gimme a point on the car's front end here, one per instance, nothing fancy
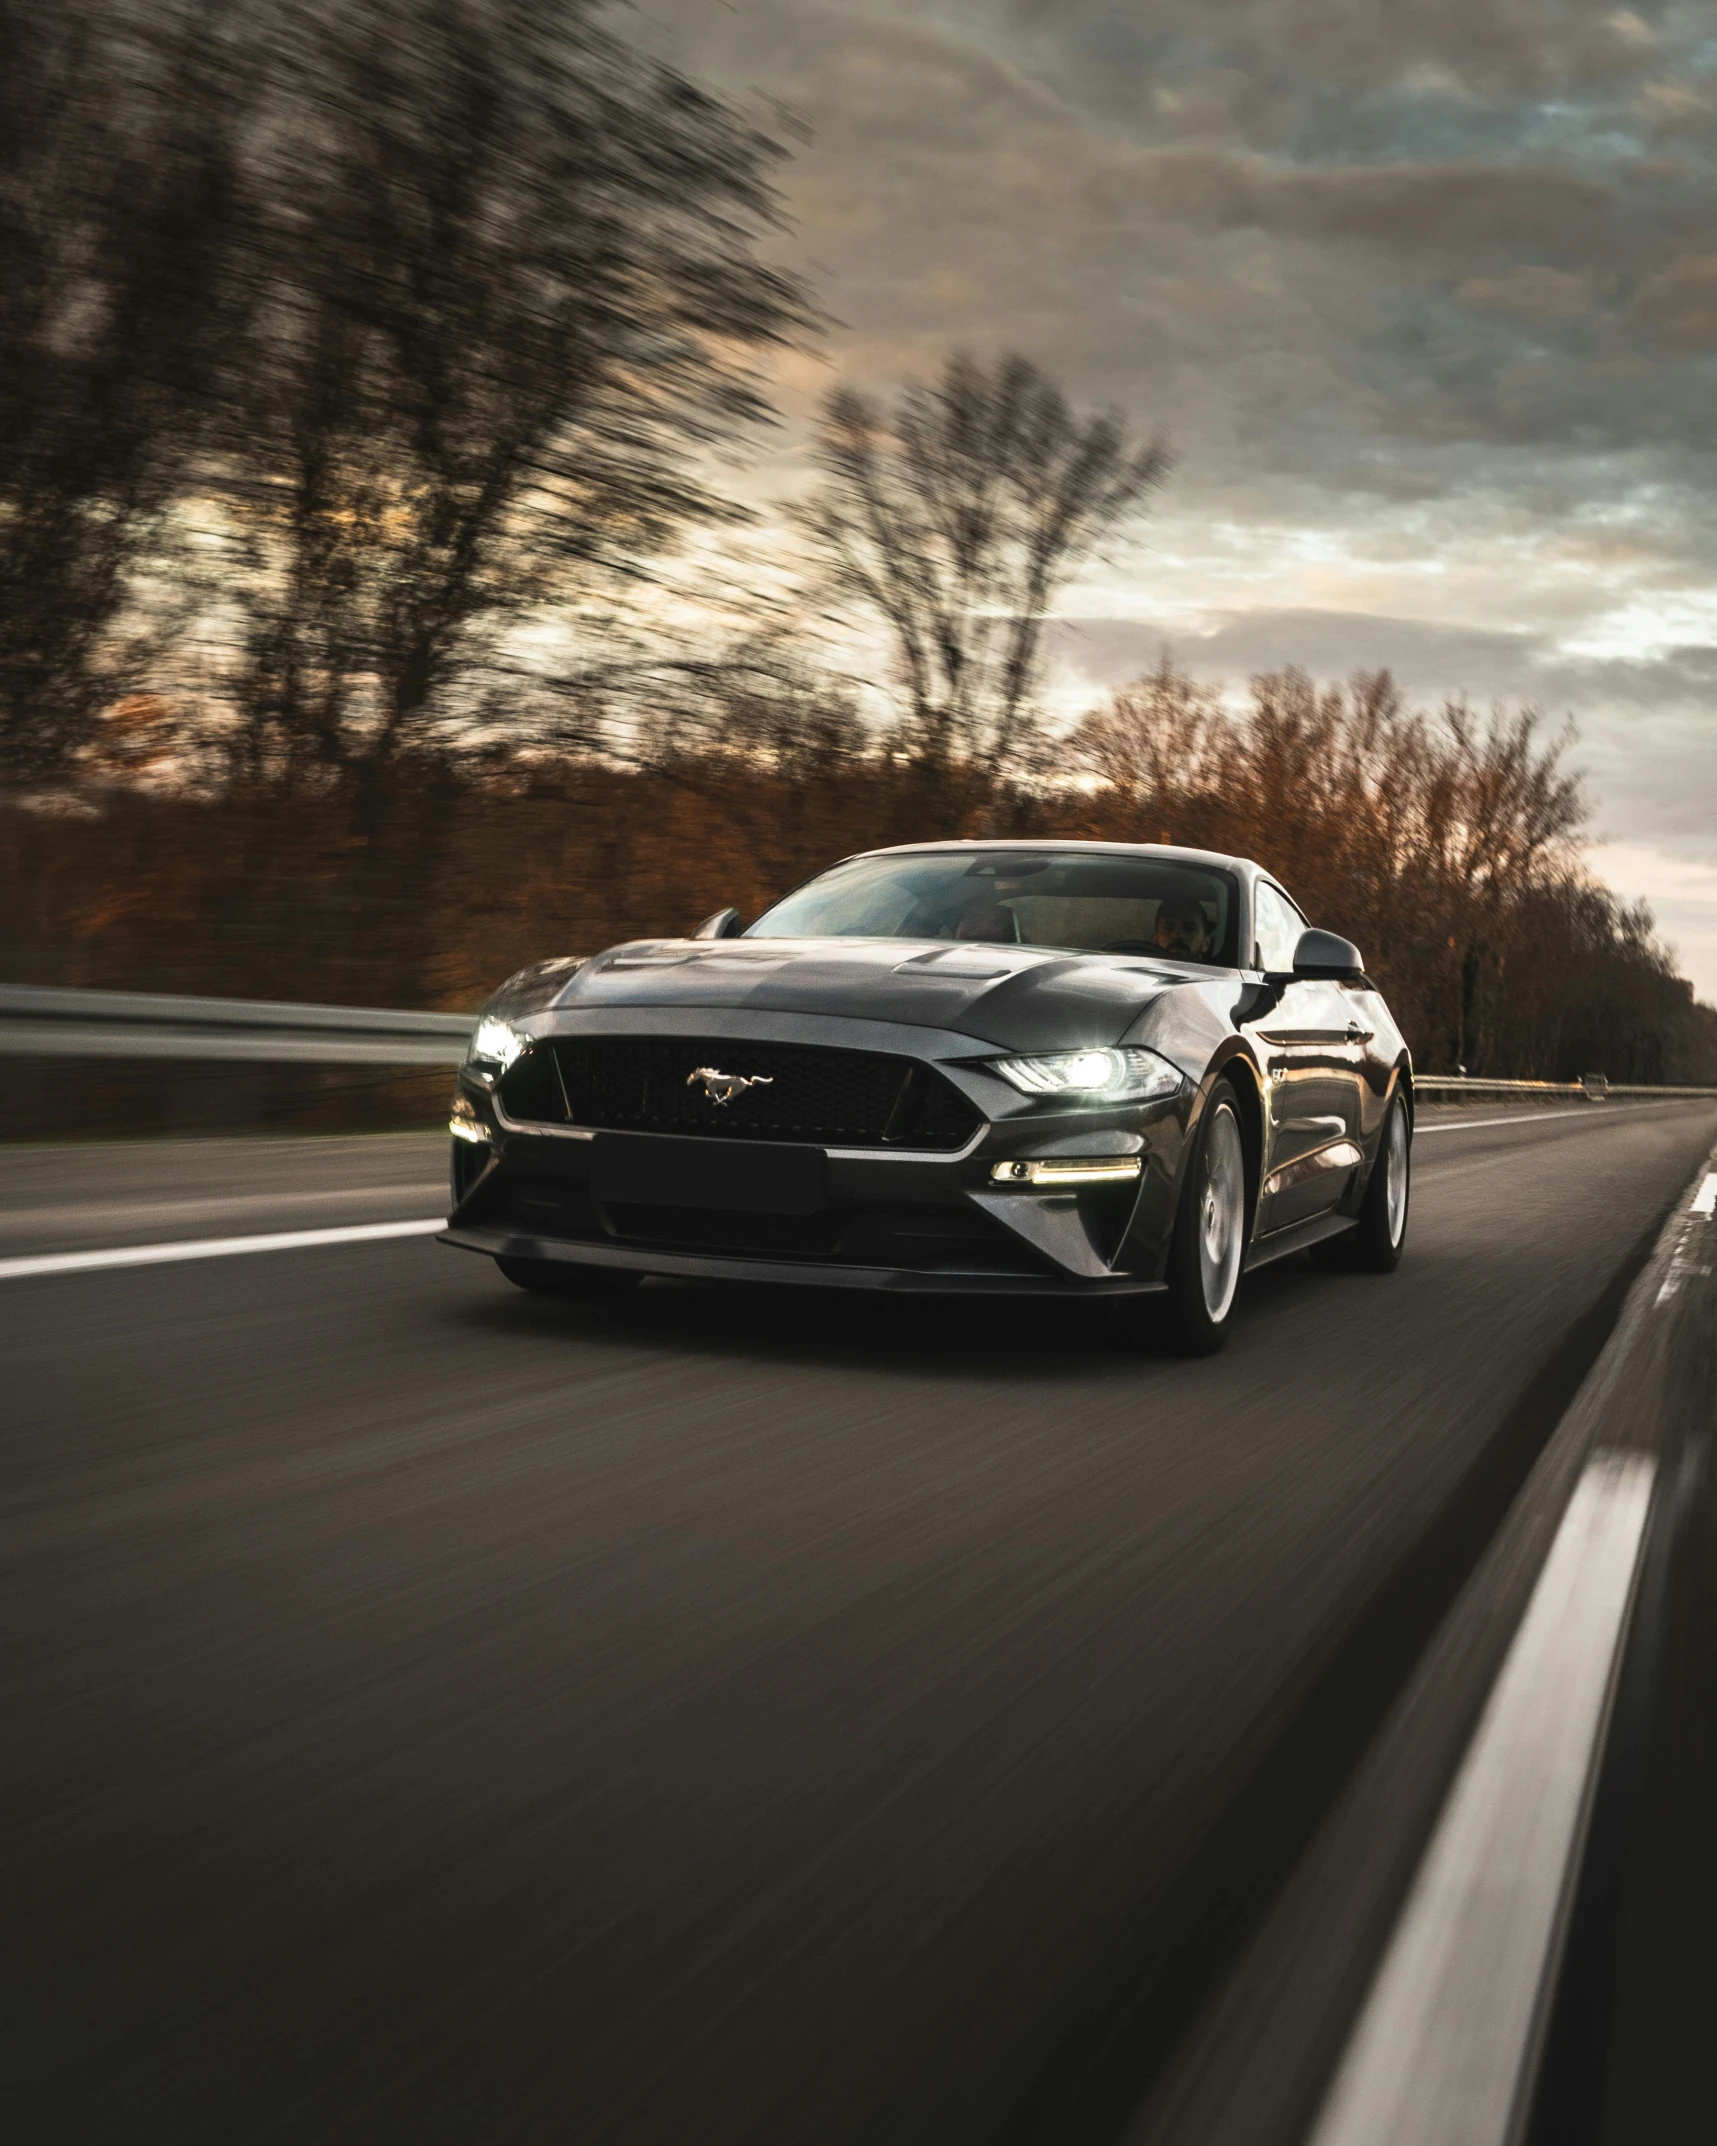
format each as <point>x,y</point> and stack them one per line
<point>874,1114</point>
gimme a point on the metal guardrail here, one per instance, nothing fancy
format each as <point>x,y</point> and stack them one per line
<point>45,1021</point>
<point>41,1021</point>
<point>1593,1089</point>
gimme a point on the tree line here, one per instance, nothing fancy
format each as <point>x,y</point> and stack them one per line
<point>367,366</point>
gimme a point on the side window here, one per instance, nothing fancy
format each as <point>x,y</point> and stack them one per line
<point>1279,927</point>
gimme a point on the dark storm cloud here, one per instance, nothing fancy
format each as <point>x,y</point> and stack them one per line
<point>1425,292</point>
<point>1466,213</point>
<point>1512,48</point>
<point>1405,204</point>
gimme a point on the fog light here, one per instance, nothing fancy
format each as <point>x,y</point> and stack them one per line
<point>1069,1170</point>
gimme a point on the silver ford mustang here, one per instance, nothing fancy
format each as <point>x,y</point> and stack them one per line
<point>1029,1068</point>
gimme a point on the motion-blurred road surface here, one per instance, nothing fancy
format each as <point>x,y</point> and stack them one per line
<point>434,1714</point>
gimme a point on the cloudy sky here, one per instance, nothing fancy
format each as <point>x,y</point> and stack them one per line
<point>1424,293</point>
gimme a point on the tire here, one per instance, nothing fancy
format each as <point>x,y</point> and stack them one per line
<point>1208,1249</point>
<point>1375,1243</point>
<point>561,1278</point>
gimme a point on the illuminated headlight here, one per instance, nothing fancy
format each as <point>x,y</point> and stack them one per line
<point>1133,1075</point>
<point>495,1043</point>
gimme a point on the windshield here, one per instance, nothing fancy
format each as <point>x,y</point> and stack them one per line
<point>1074,901</point>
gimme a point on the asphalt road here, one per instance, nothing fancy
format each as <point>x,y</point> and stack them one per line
<point>77,1198</point>
<point>437,1715</point>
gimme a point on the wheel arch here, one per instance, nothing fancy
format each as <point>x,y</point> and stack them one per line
<point>1151,1231</point>
<point>1400,1086</point>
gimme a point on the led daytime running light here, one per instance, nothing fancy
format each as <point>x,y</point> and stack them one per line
<point>1070,1170</point>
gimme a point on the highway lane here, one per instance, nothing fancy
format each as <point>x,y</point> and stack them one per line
<point>78,1197</point>
<point>438,1715</point>
<point>117,1192</point>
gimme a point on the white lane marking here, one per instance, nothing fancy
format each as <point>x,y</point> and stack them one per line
<point>1441,2047</point>
<point>155,1255</point>
<point>1530,1117</point>
<point>1705,1199</point>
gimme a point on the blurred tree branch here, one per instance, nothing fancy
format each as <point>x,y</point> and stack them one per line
<point>957,518</point>
<point>117,199</point>
<point>508,291</point>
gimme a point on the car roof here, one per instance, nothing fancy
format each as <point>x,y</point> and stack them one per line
<point>1166,850</point>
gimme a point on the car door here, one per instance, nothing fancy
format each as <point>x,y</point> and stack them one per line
<point>1312,1049</point>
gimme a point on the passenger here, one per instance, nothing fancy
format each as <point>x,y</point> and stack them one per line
<point>1182,929</point>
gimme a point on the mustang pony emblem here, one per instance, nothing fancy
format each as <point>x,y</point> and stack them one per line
<point>723,1087</point>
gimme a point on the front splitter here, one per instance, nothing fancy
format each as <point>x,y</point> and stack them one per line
<point>714,1267</point>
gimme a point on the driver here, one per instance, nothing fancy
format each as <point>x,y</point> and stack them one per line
<point>1182,930</point>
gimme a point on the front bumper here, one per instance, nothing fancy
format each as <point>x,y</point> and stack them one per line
<point>894,1220</point>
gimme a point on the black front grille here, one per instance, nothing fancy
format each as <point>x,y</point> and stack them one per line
<point>803,1092</point>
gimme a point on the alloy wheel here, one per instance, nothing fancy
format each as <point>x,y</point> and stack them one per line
<point>1220,1215</point>
<point>1395,1182</point>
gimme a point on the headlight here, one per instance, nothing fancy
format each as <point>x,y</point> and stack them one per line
<point>1133,1075</point>
<point>495,1043</point>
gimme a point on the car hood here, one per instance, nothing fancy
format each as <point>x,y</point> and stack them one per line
<point>1022,998</point>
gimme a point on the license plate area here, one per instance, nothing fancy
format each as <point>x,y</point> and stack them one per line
<point>745,1177</point>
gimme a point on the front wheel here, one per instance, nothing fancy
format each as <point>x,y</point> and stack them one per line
<point>562,1278</point>
<point>1209,1242</point>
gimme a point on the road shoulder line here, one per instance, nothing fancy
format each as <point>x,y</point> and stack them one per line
<point>1291,2001</point>
<point>1443,2043</point>
<point>1449,2042</point>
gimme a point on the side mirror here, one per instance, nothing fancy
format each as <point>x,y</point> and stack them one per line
<point>1321,957</point>
<point>724,924</point>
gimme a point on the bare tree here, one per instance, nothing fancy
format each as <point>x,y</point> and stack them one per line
<point>957,518</point>
<point>509,289</point>
<point>1447,844</point>
<point>1505,816</point>
<point>116,195</point>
